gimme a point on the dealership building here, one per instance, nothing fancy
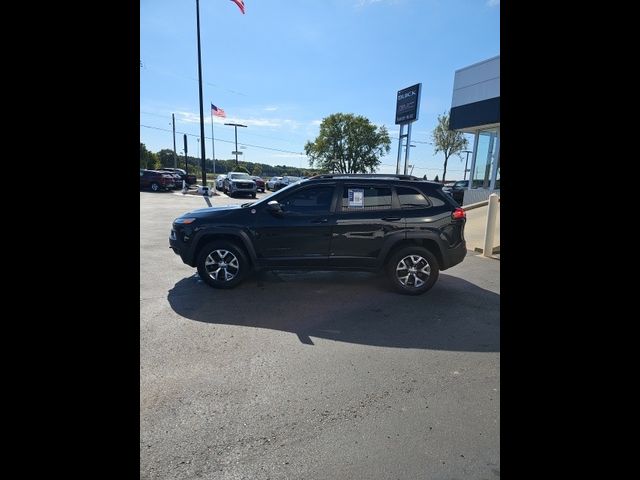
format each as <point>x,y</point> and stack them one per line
<point>475,110</point>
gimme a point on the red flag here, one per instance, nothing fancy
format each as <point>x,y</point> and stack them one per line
<point>240,4</point>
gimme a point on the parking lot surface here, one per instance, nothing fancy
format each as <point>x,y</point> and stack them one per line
<point>318,375</point>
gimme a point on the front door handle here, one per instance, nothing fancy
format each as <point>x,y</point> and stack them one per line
<point>320,220</point>
<point>391,219</point>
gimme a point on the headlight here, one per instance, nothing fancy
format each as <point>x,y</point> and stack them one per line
<point>184,221</point>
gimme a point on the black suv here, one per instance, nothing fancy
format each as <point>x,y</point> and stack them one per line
<point>400,223</point>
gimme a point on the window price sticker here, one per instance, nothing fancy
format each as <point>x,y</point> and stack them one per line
<point>356,197</point>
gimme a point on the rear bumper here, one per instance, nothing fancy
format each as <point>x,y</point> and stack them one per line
<point>453,256</point>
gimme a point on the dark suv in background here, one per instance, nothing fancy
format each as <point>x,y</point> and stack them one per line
<point>181,175</point>
<point>156,180</point>
<point>398,223</point>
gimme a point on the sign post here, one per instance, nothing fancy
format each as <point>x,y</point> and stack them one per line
<point>407,111</point>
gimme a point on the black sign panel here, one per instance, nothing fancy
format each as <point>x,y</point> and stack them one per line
<point>408,103</point>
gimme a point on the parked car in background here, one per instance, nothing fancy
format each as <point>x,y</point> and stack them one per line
<point>156,180</point>
<point>272,183</point>
<point>239,183</point>
<point>177,179</point>
<point>456,189</point>
<point>182,174</point>
<point>259,183</point>
<point>285,181</point>
<point>220,181</point>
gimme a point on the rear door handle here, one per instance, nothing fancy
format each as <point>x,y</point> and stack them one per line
<point>320,220</point>
<point>391,219</point>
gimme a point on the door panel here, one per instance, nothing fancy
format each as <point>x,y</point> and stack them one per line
<point>365,218</point>
<point>301,235</point>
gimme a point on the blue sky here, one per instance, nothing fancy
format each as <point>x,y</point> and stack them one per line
<point>286,64</point>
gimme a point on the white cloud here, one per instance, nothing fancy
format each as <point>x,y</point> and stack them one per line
<point>316,123</point>
<point>189,117</point>
<point>493,3</point>
<point>270,109</point>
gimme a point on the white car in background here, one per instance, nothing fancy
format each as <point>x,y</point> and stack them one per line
<point>220,181</point>
<point>271,183</point>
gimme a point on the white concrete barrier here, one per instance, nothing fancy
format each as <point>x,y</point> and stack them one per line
<point>489,233</point>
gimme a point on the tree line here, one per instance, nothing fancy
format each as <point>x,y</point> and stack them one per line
<point>347,143</point>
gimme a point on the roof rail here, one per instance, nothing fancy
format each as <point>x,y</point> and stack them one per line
<point>367,175</point>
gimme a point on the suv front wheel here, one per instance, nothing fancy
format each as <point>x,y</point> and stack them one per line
<point>222,264</point>
<point>413,270</point>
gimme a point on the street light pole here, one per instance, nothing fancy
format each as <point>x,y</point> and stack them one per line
<point>173,123</point>
<point>236,125</point>
<point>466,162</point>
<point>204,174</point>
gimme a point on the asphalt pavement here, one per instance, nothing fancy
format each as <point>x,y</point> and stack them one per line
<point>318,375</point>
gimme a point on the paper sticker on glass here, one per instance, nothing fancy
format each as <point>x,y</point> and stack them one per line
<point>356,197</point>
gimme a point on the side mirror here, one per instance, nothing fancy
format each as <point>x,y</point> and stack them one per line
<point>275,208</point>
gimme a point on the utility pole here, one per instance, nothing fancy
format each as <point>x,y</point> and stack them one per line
<point>236,125</point>
<point>466,162</point>
<point>175,157</point>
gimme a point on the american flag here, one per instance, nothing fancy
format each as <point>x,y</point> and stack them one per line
<point>240,4</point>
<point>218,112</point>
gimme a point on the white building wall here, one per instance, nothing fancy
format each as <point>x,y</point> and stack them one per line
<point>477,82</point>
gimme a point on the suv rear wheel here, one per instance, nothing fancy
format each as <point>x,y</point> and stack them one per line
<point>155,186</point>
<point>413,270</point>
<point>222,264</point>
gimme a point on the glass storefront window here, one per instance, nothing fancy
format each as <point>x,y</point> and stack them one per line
<point>487,153</point>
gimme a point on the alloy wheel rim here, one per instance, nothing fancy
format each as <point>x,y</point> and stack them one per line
<point>413,271</point>
<point>222,265</point>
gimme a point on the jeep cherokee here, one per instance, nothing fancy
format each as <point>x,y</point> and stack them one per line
<point>399,223</point>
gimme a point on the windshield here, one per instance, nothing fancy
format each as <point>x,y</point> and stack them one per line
<point>240,176</point>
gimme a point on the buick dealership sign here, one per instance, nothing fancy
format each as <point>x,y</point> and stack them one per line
<point>408,104</point>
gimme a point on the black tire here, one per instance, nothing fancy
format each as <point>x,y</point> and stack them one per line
<point>253,195</point>
<point>155,186</point>
<point>404,261</point>
<point>235,260</point>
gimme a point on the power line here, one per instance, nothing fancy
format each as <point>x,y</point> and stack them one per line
<point>244,133</point>
<point>175,75</point>
<point>225,141</point>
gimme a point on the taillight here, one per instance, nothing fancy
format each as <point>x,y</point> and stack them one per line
<point>458,213</point>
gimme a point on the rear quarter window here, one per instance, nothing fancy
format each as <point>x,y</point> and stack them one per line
<point>411,198</point>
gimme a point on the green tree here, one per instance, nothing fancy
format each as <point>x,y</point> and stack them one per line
<point>257,170</point>
<point>348,144</point>
<point>148,159</point>
<point>165,156</point>
<point>449,142</point>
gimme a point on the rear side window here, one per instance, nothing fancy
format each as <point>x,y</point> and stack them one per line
<point>358,198</point>
<point>411,198</point>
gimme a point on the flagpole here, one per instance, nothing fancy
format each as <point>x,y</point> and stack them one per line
<point>204,174</point>
<point>213,146</point>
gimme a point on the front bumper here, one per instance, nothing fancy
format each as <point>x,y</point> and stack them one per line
<point>182,249</point>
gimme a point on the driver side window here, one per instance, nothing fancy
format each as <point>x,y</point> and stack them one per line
<point>309,201</point>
